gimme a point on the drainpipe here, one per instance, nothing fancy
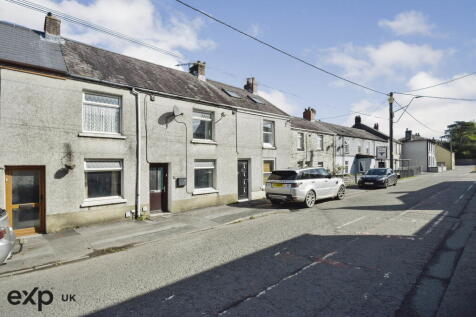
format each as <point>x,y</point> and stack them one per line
<point>334,153</point>
<point>138,153</point>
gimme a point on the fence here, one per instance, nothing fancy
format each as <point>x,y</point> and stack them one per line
<point>408,171</point>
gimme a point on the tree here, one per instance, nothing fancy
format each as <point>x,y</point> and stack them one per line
<point>462,137</point>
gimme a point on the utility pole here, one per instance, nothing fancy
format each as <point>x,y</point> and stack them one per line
<point>390,109</point>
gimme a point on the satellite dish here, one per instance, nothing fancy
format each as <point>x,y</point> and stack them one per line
<point>177,111</point>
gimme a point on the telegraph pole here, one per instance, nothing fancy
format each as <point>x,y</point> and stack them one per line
<point>390,109</point>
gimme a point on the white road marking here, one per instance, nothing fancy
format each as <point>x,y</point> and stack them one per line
<point>351,222</point>
<point>469,188</point>
<point>460,197</point>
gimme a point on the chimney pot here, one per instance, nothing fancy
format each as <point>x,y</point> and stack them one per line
<point>198,69</point>
<point>52,26</point>
<point>376,126</point>
<point>358,120</point>
<point>251,85</point>
<point>408,135</point>
<point>309,114</point>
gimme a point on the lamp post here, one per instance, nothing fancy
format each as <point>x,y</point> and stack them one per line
<point>390,109</point>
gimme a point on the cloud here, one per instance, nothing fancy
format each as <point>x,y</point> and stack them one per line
<point>278,98</point>
<point>434,113</point>
<point>389,59</point>
<point>408,23</point>
<point>139,19</point>
<point>255,30</point>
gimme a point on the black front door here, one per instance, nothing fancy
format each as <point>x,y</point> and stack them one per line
<point>243,175</point>
<point>158,180</point>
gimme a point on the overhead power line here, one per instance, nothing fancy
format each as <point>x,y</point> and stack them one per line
<point>443,83</point>
<point>406,111</point>
<point>84,23</point>
<point>435,97</point>
<point>280,50</point>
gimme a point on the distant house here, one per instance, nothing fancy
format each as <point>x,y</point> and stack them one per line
<point>313,144</point>
<point>420,151</point>
<point>444,157</point>
<point>397,145</point>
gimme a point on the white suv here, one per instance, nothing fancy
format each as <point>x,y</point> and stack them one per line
<point>303,185</point>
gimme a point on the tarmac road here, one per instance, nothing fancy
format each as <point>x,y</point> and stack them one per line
<point>376,253</point>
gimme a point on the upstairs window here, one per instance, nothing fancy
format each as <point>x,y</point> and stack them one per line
<point>320,142</point>
<point>268,133</point>
<point>101,113</point>
<point>300,141</point>
<point>346,147</point>
<point>202,125</point>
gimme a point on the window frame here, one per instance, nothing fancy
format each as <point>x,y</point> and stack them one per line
<point>346,147</point>
<point>212,120</point>
<point>320,142</point>
<point>273,168</point>
<point>92,170</point>
<point>300,141</point>
<point>99,104</point>
<point>213,186</point>
<point>272,133</point>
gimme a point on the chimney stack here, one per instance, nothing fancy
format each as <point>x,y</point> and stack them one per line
<point>358,120</point>
<point>376,126</point>
<point>309,114</point>
<point>408,135</point>
<point>198,69</point>
<point>251,85</point>
<point>52,27</point>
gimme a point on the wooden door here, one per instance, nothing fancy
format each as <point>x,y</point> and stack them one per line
<point>25,194</point>
<point>158,193</point>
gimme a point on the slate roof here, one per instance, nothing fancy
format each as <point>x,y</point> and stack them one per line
<point>373,131</point>
<point>22,46</point>
<point>28,48</point>
<point>417,137</point>
<point>317,126</point>
<point>351,132</point>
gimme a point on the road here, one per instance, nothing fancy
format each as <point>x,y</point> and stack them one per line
<point>362,256</point>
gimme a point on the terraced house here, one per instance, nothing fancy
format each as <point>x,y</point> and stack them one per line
<point>89,135</point>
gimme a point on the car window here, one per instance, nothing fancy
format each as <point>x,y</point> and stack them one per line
<point>376,171</point>
<point>283,175</point>
<point>323,172</point>
<point>306,174</point>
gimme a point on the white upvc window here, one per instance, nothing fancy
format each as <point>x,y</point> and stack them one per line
<point>320,142</point>
<point>101,113</point>
<point>204,174</point>
<point>346,147</point>
<point>367,148</point>
<point>346,167</point>
<point>103,179</point>
<point>300,141</point>
<point>202,125</point>
<point>359,149</point>
<point>268,133</point>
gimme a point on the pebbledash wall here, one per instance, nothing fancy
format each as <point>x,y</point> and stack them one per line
<point>41,124</point>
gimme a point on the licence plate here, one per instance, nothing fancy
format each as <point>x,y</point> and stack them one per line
<point>368,183</point>
<point>277,185</point>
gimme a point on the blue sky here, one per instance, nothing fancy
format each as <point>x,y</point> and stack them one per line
<point>387,45</point>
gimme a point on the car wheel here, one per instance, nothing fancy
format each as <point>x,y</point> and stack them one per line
<point>385,185</point>
<point>341,193</point>
<point>395,184</point>
<point>310,199</point>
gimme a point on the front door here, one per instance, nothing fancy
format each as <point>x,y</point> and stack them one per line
<point>158,193</point>
<point>25,192</point>
<point>243,175</point>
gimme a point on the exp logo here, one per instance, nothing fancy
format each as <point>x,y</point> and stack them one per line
<point>36,297</point>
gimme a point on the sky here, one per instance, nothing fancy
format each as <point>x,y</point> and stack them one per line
<point>386,45</point>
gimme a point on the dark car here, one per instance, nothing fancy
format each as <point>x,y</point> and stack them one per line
<point>378,177</point>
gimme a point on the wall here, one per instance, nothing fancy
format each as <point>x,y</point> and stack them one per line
<point>444,155</point>
<point>311,152</point>
<point>40,120</point>
<point>416,152</point>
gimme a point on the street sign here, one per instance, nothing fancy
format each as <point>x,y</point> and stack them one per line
<point>381,152</point>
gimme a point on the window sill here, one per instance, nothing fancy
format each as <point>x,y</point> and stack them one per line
<point>101,135</point>
<point>103,201</point>
<point>269,147</point>
<point>204,191</point>
<point>203,141</point>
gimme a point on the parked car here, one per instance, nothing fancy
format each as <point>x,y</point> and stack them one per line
<point>7,237</point>
<point>303,185</point>
<point>378,177</point>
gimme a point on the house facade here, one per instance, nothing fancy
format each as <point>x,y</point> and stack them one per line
<point>93,135</point>
<point>397,145</point>
<point>355,149</point>
<point>444,157</point>
<point>313,144</point>
<point>420,151</point>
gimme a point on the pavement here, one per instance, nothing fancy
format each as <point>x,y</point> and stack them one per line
<point>407,250</point>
